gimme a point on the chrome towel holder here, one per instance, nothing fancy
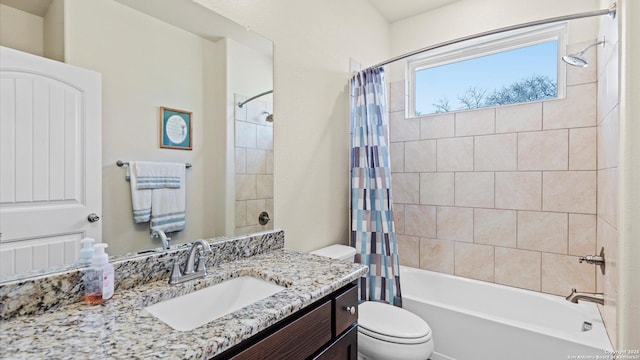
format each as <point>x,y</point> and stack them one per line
<point>121,163</point>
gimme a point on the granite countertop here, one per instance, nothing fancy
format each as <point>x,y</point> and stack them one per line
<point>122,329</point>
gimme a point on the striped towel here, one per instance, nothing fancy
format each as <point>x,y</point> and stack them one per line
<point>158,194</point>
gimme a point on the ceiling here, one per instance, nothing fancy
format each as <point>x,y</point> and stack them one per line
<point>394,10</point>
<point>35,7</point>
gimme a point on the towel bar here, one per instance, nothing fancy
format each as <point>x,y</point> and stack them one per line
<point>121,163</point>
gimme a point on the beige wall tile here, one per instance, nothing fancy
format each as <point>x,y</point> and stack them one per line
<point>474,261</point>
<point>246,135</point>
<point>437,126</point>
<point>437,255</point>
<point>241,161</point>
<point>578,109</point>
<point>406,188</point>
<point>264,138</point>
<point>519,268</point>
<point>569,191</point>
<point>398,217</point>
<point>577,75</point>
<point>494,227</point>
<point>582,149</point>
<point>496,152</point>
<point>455,154</point>
<point>455,223</point>
<point>543,231</point>
<point>543,150</point>
<point>396,96</point>
<point>608,239</point>
<point>609,311</point>
<point>244,230</point>
<point>437,188</point>
<point>420,220</point>
<point>608,195</point>
<point>475,122</point>
<point>519,190</point>
<point>269,162</point>
<point>409,250</point>
<point>609,140</point>
<point>264,186</point>
<point>254,208</point>
<point>474,189</point>
<point>401,129</point>
<point>420,156</point>
<point>520,117</point>
<point>608,83</point>
<point>245,187</point>
<point>582,234</point>
<point>396,153</point>
<point>561,273</point>
<point>256,161</point>
<point>241,213</point>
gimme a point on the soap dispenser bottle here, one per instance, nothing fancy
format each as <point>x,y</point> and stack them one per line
<point>98,279</point>
<point>86,252</point>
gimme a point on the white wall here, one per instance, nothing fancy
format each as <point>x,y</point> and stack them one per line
<point>145,64</point>
<point>313,41</point>
<point>21,31</point>
<point>54,31</point>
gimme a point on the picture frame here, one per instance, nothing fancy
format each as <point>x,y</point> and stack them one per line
<point>175,128</point>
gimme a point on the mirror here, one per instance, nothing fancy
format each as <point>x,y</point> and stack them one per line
<point>176,54</point>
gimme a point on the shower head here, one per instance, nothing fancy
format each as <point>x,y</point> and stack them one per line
<point>577,59</point>
<point>269,116</point>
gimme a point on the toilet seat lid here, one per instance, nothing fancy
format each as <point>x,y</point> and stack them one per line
<point>391,323</point>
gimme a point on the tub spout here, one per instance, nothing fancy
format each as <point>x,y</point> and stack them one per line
<point>593,297</point>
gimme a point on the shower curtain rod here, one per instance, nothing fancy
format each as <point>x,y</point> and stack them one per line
<point>611,11</point>
<point>241,104</point>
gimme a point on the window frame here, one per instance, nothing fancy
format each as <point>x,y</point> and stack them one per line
<point>486,46</point>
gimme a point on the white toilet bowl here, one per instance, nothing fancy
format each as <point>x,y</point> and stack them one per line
<point>385,331</point>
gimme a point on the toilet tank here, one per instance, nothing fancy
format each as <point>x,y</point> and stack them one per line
<point>339,252</point>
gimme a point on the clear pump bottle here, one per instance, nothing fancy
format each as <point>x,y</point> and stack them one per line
<point>98,279</point>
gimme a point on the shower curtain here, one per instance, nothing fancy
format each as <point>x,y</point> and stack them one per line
<point>372,227</point>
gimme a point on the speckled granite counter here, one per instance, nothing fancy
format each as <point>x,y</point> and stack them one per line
<point>122,329</point>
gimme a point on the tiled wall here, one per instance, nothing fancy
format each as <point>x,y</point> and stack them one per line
<point>608,142</point>
<point>253,164</point>
<point>506,194</point>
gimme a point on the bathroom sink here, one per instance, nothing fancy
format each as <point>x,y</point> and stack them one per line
<point>189,311</point>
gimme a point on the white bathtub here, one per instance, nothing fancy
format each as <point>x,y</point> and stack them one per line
<point>476,320</point>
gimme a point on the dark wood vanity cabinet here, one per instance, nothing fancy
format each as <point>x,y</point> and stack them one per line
<point>326,330</point>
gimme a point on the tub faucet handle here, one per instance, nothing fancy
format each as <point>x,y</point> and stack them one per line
<point>594,259</point>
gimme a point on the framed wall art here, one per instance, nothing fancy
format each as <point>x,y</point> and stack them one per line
<point>175,129</point>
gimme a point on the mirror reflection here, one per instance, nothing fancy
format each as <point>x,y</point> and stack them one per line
<point>175,54</point>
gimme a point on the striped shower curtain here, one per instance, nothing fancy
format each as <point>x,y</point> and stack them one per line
<point>372,227</point>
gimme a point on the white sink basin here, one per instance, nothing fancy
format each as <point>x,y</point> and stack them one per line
<point>189,311</point>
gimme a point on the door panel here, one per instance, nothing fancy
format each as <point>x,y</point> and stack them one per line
<point>50,159</point>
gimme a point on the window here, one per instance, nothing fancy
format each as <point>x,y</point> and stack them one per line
<point>490,72</point>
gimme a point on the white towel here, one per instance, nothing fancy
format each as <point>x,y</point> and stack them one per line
<point>158,194</point>
<point>140,199</point>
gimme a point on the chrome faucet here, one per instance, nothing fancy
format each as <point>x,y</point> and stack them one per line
<point>593,297</point>
<point>165,240</point>
<point>194,267</point>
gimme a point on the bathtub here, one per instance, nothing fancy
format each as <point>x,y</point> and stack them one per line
<point>476,320</point>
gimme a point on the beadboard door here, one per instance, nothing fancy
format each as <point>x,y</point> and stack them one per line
<point>50,161</point>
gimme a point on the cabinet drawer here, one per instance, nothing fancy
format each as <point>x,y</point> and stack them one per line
<point>343,303</point>
<point>297,340</point>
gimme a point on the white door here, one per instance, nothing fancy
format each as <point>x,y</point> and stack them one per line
<point>50,161</point>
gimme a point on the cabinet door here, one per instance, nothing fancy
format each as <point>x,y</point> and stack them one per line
<point>298,340</point>
<point>50,161</point>
<point>346,310</point>
<point>344,348</point>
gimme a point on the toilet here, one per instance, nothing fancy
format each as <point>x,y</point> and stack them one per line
<point>385,331</point>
